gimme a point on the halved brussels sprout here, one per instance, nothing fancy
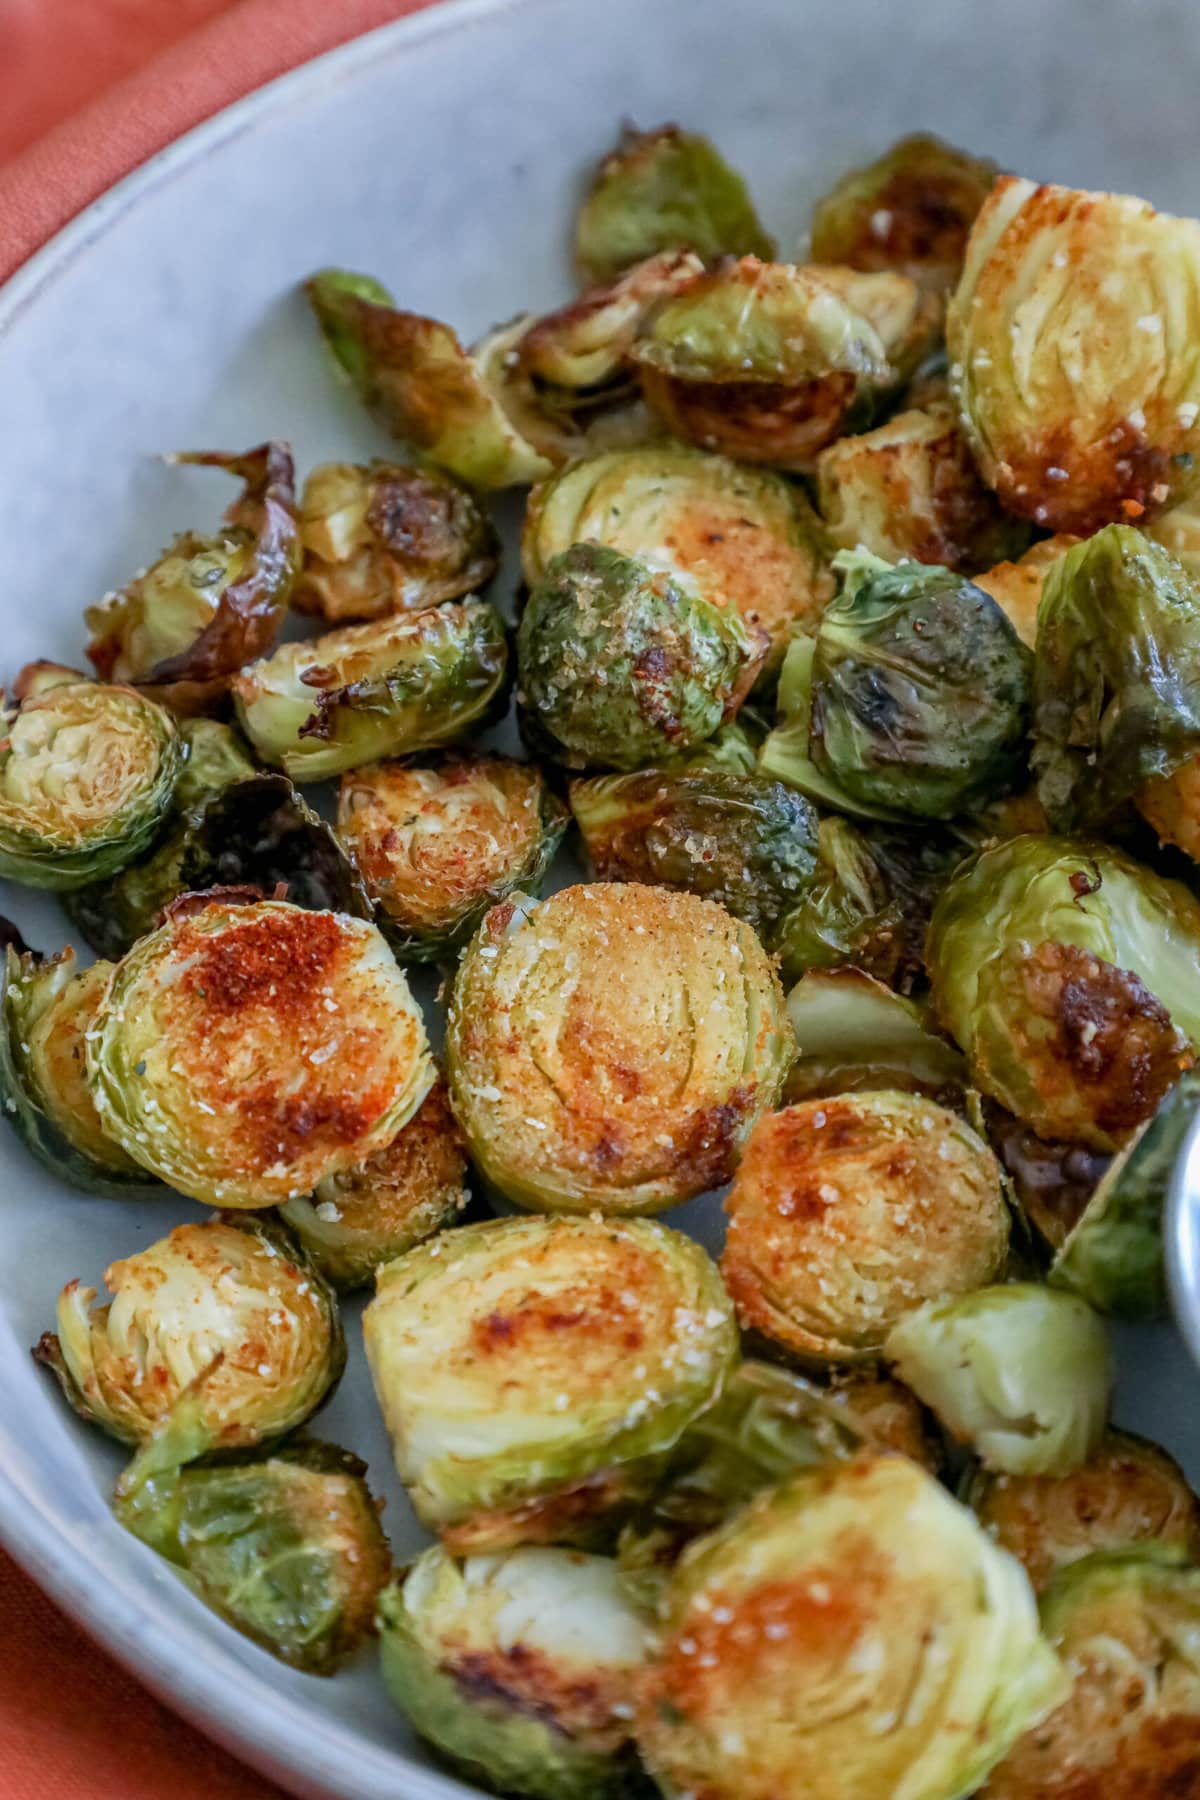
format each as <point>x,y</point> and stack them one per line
<point>532,1372</point>
<point>87,773</point>
<point>748,843</point>
<point>786,755</point>
<point>855,1034</point>
<point>382,538</point>
<point>911,210</point>
<point>183,627</point>
<point>621,665</point>
<point>439,843</point>
<point>520,1668</point>
<point>845,1214</point>
<point>354,1222</point>
<point>1021,1373</point>
<point>1072,338</point>
<point>1052,962</point>
<point>745,539</point>
<point>1128,1492</point>
<point>245,1052</point>
<point>1127,1627</point>
<point>852,1633</point>
<point>231,1300</point>
<point>889,1414</point>
<point>665,189</point>
<point>847,915</point>
<point>368,691</point>
<point>1016,587</point>
<point>572,1094</point>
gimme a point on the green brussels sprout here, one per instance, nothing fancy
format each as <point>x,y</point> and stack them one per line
<point>1126,1626</point>
<point>1072,363</point>
<point>911,210</point>
<point>920,690</point>
<point>665,189</point>
<point>786,754</point>
<point>286,1548</point>
<point>87,773</point>
<point>214,757</point>
<point>1021,1373</point>
<point>354,1222</point>
<point>533,1372</point>
<point>183,628</point>
<point>621,665</point>
<point>846,1213</point>
<point>384,538</point>
<point>244,1052</point>
<point>1051,961</point>
<point>519,1668</point>
<point>367,691</point>
<point>745,539</point>
<point>48,1009</point>
<point>852,1632</point>
<point>571,1097</point>
<point>1128,1492</point>
<point>439,843</point>
<point>732,750</point>
<point>748,843</point>
<point>1016,587</point>
<point>231,1299</point>
<point>853,1034</point>
<point>847,916</point>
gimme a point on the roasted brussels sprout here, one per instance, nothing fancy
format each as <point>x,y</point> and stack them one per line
<point>215,756</point>
<point>532,1372</point>
<point>889,1414</point>
<point>853,1034</point>
<point>748,843</point>
<point>621,665</point>
<point>441,842</point>
<point>786,755</point>
<point>910,210</point>
<point>1178,531</point>
<point>1020,1373</point>
<point>1052,962</point>
<point>847,1213</point>
<point>1016,587</point>
<point>520,1668</point>
<point>1052,1181</point>
<point>745,539</point>
<point>387,538</point>
<point>354,1222</point>
<point>367,691</point>
<point>571,1098</point>
<point>1127,1492</point>
<point>231,1300</point>
<point>1125,1625</point>
<point>850,1633</point>
<point>1072,357</point>
<point>846,916</point>
<point>87,773</point>
<point>183,627</point>
<point>245,1052</point>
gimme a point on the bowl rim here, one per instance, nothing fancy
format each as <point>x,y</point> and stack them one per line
<point>1181,1234</point>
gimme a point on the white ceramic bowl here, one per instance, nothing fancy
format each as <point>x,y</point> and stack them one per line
<point>443,153</point>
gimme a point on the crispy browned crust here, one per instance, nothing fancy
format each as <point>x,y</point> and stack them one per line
<point>891,1414</point>
<point>752,421</point>
<point>1095,1756</point>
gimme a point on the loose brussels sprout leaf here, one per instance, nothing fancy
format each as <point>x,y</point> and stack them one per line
<point>367,691</point>
<point>519,1668</point>
<point>748,843</point>
<point>1021,1373</point>
<point>733,750</point>
<point>1128,1492</point>
<point>847,916</point>
<point>909,489</point>
<point>440,843</point>
<point>621,665</point>
<point>1016,587</point>
<point>245,1052</point>
<point>87,773</point>
<point>1126,1626</point>
<point>231,1300</point>
<point>354,1222</point>
<point>911,210</point>
<point>531,1371</point>
<point>795,1639</point>
<point>920,690</point>
<point>288,1548</point>
<point>846,1213</point>
<point>855,1034</point>
<point>666,189</point>
<point>385,538</point>
<point>183,627</point>
<point>571,1098</point>
<point>1072,338</point>
<point>745,539</point>
<point>907,321</point>
<point>786,755</point>
<point>1046,957</point>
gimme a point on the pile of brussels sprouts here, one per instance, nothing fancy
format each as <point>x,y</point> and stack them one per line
<point>859,649</point>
